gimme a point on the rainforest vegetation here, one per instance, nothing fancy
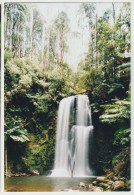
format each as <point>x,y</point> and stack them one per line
<point>37,76</point>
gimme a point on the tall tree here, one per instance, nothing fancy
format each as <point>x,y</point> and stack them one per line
<point>43,42</point>
<point>88,9</point>
<point>62,25</point>
<point>31,33</point>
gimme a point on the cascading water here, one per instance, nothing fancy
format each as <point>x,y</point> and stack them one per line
<point>74,132</point>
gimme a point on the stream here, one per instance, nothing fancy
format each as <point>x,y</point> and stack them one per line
<point>43,183</point>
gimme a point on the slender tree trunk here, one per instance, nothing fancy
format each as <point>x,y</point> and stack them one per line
<point>6,158</point>
<point>96,42</point>
<point>47,54</point>
<point>62,52</point>
<point>113,13</point>
<point>23,45</point>
<point>11,24</point>
<point>19,27</point>
<point>114,71</point>
<point>89,47</point>
<point>42,45</point>
<point>5,27</point>
<point>58,45</point>
<point>92,48</point>
<point>31,34</point>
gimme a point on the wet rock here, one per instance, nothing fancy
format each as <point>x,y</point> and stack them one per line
<point>17,175</point>
<point>82,184</point>
<point>23,174</point>
<point>118,185</point>
<point>115,178</point>
<point>101,179</point>
<point>35,172</point>
<point>110,182</point>
<point>103,185</point>
<point>98,189</point>
<point>122,178</point>
<point>110,175</point>
<point>7,175</point>
<point>94,182</point>
<point>107,180</point>
<point>91,186</point>
<point>128,185</point>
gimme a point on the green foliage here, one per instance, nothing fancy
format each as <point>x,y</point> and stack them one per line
<point>120,110</point>
<point>17,134</point>
<point>121,163</point>
<point>31,102</point>
<point>122,137</point>
<point>7,55</point>
<point>61,22</point>
<point>88,9</point>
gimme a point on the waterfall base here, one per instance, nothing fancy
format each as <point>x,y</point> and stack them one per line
<point>60,173</point>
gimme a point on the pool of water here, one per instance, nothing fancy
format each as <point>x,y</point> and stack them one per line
<point>43,183</point>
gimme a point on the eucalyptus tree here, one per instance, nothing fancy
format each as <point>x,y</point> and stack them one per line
<point>54,47</point>
<point>105,42</point>
<point>62,26</point>
<point>15,17</point>
<point>123,31</point>
<point>43,41</point>
<point>88,10</point>
<point>35,32</point>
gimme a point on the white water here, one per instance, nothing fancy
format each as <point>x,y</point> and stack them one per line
<point>74,130</point>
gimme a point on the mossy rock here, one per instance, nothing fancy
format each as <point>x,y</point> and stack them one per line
<point>103,185</point>
<point>118,186</point>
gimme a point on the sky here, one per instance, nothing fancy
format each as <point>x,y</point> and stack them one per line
<point>77,46</point>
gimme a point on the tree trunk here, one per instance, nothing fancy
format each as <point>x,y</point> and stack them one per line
<point>11,23</point>
<point>42,45</point>
<point>62,52</point>
<point>47,54</point>
<point>5,27</point>
<point>58,48</point>
<point>114,39</point>
<point>23,45</point>
<point>96,42</point>
<point>19,29</point>
<point>92,48</point>
<point>113,13</point>
<point>6,158</point>
<point>31,34</point>
<point>89,47</point>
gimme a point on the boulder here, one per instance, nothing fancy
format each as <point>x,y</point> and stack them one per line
<point>98,189</point>
<point>82,184</point>
<point>110,175</point>
<point>118,185</point>
<point>94,182</point>
<point>103,185</point>
<point>91,186</point>
<point>128,185</point>
<point>115,178</point>
<point>101,179</point>
<point>35,172</point>
<point>110,182</point>
<point>122,178</point>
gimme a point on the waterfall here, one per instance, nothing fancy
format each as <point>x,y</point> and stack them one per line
<point>74,132</point>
